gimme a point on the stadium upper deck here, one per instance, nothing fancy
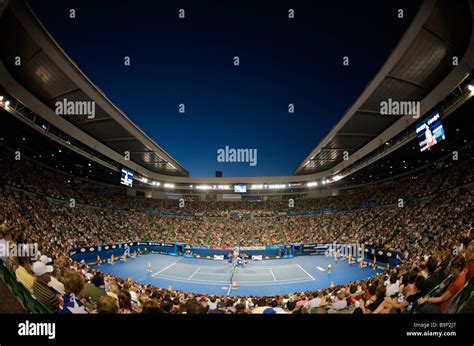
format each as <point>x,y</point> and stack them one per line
<point>422,68</point>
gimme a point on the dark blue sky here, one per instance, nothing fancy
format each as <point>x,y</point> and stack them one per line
<point>190,61</point>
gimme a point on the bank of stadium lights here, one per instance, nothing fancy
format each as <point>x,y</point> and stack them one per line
<point>256,186</point>
<point>224,187</point>
<point>336,178</point>
<point>470,87</point>
<point>312,184</point>
<point>212,187</point>
<point>168,186</point>
<point>276,186</point>
<point>294,184</point>
<point>203,187</point>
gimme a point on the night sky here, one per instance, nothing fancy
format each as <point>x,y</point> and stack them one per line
<point>190,61</point>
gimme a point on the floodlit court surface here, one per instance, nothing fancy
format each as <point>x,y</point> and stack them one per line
<point>263,278</point>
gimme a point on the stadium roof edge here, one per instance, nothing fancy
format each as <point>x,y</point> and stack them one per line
<point>362,128</point>
<point>71,75</point>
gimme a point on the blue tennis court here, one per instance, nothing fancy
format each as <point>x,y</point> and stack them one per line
<point>268,277</point>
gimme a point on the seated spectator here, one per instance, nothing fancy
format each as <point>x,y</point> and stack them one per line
<point>373,305</point>
<point>470,260</point>
<point>41,290</point>
<point>340,302</point>
<point>212,303</point>
<point>240,309</point>
<point>166,306</point>
<point>107,305</point>
<point>354,296</point>
<point>193,307</point>
<point>439,304</point>
<point>69,302</point>
<point>315,301</point>
<point>151,307</point>
<point>435,275</point>
<point>290,306</point>
<point>278,309</point>
<point>93,291</point>
<point>261,306</point>
<point>23,273</point>
<point>393,286</point>
<point>400,303</point>
<point>221,308</point>
<point>125,302</point>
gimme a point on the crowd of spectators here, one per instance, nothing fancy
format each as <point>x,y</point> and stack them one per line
<point>431,221</point>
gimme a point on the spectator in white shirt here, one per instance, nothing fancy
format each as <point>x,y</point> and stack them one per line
<point>340,302</point>
<point>393,286</point>
<point>315,302</point>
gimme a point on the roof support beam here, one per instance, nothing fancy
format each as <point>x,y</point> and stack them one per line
<point>408,82</point>
<point>95,120</point>
<point>62,94</point>
<point>122,139</point>
<point>357,134</point>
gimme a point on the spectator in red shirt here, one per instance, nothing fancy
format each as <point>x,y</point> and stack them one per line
<point>470,260</point>
<point>459,273</point>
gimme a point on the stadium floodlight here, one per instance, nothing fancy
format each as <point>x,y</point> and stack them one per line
<point>336,178</point>
<point>1,97</point>
<point>169,186</point>
<point>223,187</point>
<point>7,103</point>
<point>312,183</point>
<point>256,186</point>
<point>470,87</point>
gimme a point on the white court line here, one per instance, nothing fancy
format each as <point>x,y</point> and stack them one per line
<point>237,273</point>
<point>229,266</point>
<point>242,283</point>
<point>305,271</point>
<point>274,278</point>
<point>172,264</point>
<point>194,273</point>
<point>230,287</point>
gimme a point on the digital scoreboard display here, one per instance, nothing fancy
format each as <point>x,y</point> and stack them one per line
<point>126,177</point>
<point>240,188</point>
<point>430,132</point>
